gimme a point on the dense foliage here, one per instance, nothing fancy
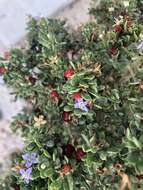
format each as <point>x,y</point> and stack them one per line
<point>84,127</point>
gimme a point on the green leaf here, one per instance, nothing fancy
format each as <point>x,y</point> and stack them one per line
<point>89,77</point>
<point>74,80</point>
<point>78,112</point>
<point>65,184</point>
<point>103,155</point>
<point>128,134</point>
<point>30,147</point>
<point>131,158</point>
<point>68,108</point>
<point>133,99</point>
<point>93,150</point>
<point>86,97</point>
<point>86,140</point>
<point>136,142</point>
<point>113,151</point>
<point>71,89</point>
<point>139,165</point>
<point>37,142</point>
<point>94,88</point>
<point>35,175</point>
<point>83,85</point>
<point>81,73</point>
<point>56,185</point>
<point>48,172</point>
<point>46,153</point>
<point>130,145</point>
<point>70,182</point>
<point>89,159</point>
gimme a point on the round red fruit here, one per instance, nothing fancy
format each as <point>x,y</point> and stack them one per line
<point>139,177</point>
<point>32,79</point>
<point>112,51</point>
<point>68,150</point>
<point>3,70</point>
<point>54,94</point>
<point>68,73</point>
<point>79,154</point>
<point>65,169</point>
<point>66,116</point>
<point>77,96</point>
<point>118,29</point>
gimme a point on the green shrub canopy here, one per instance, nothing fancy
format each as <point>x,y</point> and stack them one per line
<point>84,130</point>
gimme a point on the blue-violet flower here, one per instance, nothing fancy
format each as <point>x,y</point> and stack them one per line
<point>26,174</point>
<point>81,104</point>
<point>30,158</point>
<point>140,46</point>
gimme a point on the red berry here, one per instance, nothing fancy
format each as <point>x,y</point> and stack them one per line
<point>79,154</point>
<point>112,51</point>
<point>32,79</point>
<point>77,96</point>
<point>139,177</point>
<point>66,116</point>
<point>118,29</point>
<point>65,169</point>
<point>54,94</point>
<point>68,73</point>
<point>3,70</point>
<point>68,150</point>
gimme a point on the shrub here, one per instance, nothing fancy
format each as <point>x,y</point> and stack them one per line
<point>84,128</point>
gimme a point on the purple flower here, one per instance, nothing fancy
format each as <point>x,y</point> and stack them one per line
<point>140,46</point>
<point>81,104</point>
<point>26,174</point>
<point>30,158</point>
